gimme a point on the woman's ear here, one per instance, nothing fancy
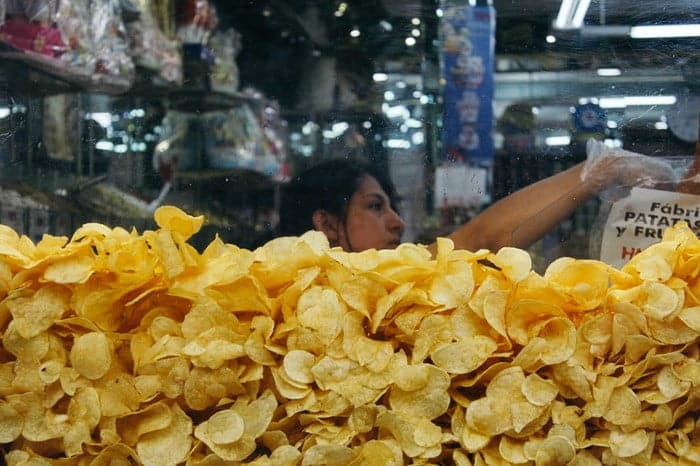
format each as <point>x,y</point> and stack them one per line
<point>328,224</point>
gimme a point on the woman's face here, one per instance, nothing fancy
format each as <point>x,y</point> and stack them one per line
<point>370,221</point>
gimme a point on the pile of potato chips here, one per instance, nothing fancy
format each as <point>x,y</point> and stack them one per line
<point>125,348</point>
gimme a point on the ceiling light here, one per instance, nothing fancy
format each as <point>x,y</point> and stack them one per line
<point>640,100</point>
<point>609,71</point>
<point>415,21</point>
<point>341,10</point>
<point>438,12</point>
<point>571,14</point>
<point>558,140</point>
<point>386,25</point>
<point>380,77</point>
<point>410,41</point>
<point>355,32</point>
<point>665,31</point>
<point>415,32</point>
<point>550,39</point>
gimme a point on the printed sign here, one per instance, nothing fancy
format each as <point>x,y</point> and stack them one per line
<point>639,220</point>
<point>467,38</point>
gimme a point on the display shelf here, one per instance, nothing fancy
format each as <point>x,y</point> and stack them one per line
<point>237,179</point>
<point>200,101</point>
<point>35,74</point>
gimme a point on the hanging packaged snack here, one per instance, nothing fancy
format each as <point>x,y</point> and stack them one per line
<point>225,46</point>
<point>178,149</point>
<point>231,138</point>
<point>73,20</point>
<point>110,44</point>
<point>150,47</point>
<point>28,27</point>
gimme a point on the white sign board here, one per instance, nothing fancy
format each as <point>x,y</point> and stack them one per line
<point>639,220</point>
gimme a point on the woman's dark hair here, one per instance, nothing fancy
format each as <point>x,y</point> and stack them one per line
<point>328,185</point>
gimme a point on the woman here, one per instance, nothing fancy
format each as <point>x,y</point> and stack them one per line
<point>355,205</point>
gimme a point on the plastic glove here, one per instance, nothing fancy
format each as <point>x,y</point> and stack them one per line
<point>608,167</point>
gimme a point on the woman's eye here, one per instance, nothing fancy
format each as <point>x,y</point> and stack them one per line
<point>376,206</point>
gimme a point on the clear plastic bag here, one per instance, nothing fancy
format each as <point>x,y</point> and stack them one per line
<point>634,212</point>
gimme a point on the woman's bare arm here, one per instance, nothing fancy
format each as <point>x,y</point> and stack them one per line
<point>525,216</point>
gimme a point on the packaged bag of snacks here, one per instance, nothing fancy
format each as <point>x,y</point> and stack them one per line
<point>634,215</point>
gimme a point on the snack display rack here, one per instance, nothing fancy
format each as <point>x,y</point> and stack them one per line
<point>147,66</point>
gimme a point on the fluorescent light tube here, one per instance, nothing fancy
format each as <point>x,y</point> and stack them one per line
<point>639,100</point>
<point>609,72</point>
<point>557,140</point>
<point>571,14</point>
<point>660,31</point>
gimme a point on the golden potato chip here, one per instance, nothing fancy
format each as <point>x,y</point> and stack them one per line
<point>23,458</point>
<point>377,453</point>
<point>409,430</point>
<point>430,400</point>
<point>297,365</point>
<point>91,355</point>
<point>11,423</point>
<point>464,356</point>
<point>555,450</point>
<point>387,304</point>
<point>512,450</point>
<point>33,348</point>
<point>285,455</point>
<point>152,418</point>
<point>34,313</point>
<point>626,444</point>
<point>585,282</point>
<point>655,263</point>
<point>658,300</point>
<point>670,385</point>
<point>514,263</point>
<point>173,219</point>
<point>539,391</point>
<point>170,445</point>
<point>222,427</point>
<point>524,314</point>
<point>488,416</point>
<point>671,331</point>
<point>330,455</point>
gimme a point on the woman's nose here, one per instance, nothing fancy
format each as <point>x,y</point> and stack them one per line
<point>396,222</point>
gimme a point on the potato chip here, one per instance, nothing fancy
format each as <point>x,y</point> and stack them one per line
<point>173,219</point>
<point>524,314</point>
<point>514,263</point>
<point>170,445</point>
<point>464,356</point>
<point>539,391</point>
<point>331,455</point>
<point>297,365</point>
<point>512,450</point>
<point>11,423</point>
<point>430,400</point>
<point>377,453</point>
<point>34,313</point>
<point>555,450</point>
<point>626,444</point>
<point>91,355</point>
